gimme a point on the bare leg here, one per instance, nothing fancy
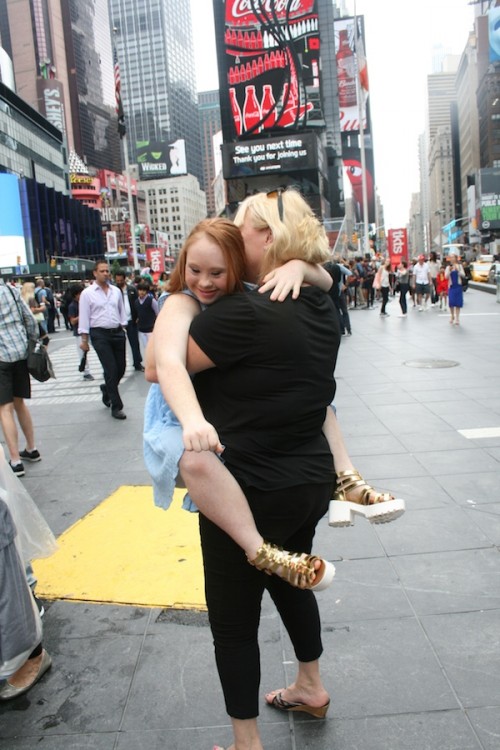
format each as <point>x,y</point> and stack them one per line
<point>220,498</point>
<point>308,687</point>
<point>9,427</point>
<point>24,417</point>
<point>343,463</point>
<point>246,735</point>
<point>333,434</point>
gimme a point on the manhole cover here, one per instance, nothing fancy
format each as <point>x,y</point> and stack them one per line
<point>431,364</point>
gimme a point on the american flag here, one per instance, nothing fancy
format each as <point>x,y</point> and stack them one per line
<point>118,96</point>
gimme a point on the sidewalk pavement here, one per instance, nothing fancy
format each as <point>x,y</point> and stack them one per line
<point>411,623</point>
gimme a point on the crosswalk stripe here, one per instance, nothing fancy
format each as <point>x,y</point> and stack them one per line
<point>68,387</point>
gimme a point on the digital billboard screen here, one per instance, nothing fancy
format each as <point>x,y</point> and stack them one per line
<point>489,180</point>
<point>271,156</point>
<point>12,244</point>
<point>269,56</point>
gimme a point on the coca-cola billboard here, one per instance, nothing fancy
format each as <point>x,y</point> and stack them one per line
<point>269,57</point>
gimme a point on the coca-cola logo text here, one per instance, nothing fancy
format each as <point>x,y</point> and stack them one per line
<point>242,8</point>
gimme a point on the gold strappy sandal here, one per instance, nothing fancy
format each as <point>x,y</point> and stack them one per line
<point>297,568</point>
<point>384,508</point>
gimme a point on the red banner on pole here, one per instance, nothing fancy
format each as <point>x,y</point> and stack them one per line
<point>397,243</point>
<point>156,260</point>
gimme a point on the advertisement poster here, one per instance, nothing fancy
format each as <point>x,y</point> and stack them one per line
<point>353,176</point>
<point>490,198</point>
<point>271,63</point>
<point>351,64</point>
<point>157,159</point>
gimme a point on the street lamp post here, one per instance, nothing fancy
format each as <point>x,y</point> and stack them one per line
<point>440,212</point>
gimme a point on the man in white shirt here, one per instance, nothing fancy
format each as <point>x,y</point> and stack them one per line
<point>102,317</point>
<point>423,282</point>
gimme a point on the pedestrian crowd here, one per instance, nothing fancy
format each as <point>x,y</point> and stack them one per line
<point>364,283</point>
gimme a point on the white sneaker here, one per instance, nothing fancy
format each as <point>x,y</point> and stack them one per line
<point>420,309</point>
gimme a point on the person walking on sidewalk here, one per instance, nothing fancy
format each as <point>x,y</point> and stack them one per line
<point>403,280</point>
<point>455,275</point>
<point>384,277</point>
<point>130,296</point>
<point>423,282</point>
<point>16,325</point>
<point>146,309</point>
<point>76,290</point>
<point>102,317</point>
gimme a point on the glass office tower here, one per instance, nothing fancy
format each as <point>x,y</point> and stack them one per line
<point>155,51</point>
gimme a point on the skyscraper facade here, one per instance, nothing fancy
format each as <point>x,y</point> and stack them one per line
<point>210,124</point>
<point>91,82</point>
<point>63,67</point>
<point>154,43</point>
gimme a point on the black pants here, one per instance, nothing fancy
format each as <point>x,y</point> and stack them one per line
<point>384,291</point>
<point>51,317</point>
<point>110,347</point>
<point>345,321</point>
<point>234,590</point>
<point>402,298</point>
<point>133,340</point>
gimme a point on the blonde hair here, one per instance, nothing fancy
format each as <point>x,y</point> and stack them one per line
<point>27,291</point>
<point>298,235</point>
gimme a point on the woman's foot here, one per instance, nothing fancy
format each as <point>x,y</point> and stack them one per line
<point>313,702</point>
<point>296,568</point>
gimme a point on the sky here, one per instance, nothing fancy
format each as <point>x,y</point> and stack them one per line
<point>400,38</point>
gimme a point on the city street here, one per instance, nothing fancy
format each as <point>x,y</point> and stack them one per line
<point>411,623</point>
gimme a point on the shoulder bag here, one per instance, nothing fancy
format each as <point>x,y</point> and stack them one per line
<point>38,360</point>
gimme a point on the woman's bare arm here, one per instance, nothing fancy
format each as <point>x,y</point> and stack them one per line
<point>170,339</point>
<point>290,277</point>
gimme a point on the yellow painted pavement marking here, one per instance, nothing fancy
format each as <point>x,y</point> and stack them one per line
<point>127,551</point>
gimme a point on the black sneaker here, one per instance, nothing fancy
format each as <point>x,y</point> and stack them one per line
<point>18,469</point>
<point>30,455</point>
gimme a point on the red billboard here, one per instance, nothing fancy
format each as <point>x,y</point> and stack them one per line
<point>397,245</point>
<point>351,159</point>
<point>270,62</point>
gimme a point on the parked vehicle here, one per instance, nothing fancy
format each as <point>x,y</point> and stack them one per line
<point>480,268</point>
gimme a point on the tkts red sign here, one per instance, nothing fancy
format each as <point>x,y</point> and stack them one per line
<point>244,11</point>
<point>398,246</point>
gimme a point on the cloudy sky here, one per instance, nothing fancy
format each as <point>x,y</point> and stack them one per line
<point>400,38</point>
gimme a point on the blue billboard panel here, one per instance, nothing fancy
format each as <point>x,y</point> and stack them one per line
<point>12,245</point>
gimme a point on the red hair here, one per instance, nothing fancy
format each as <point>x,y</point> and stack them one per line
<point>228,237</point>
